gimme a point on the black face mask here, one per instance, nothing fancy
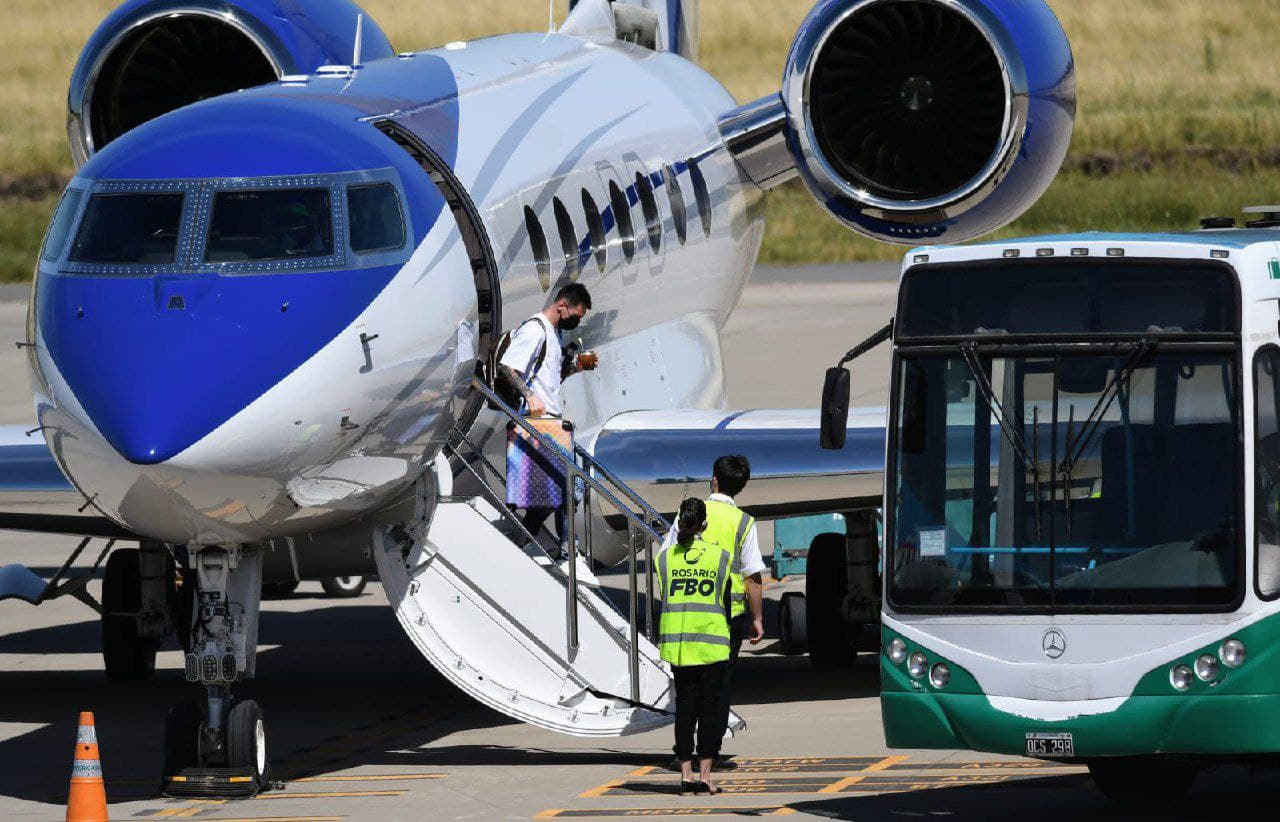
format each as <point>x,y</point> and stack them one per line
<point>569,323</point>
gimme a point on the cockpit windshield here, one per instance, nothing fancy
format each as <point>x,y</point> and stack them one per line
<point>123,229</point>
<point>254,226</point>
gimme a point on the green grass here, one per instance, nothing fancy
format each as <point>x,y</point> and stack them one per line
<point>22,225</point>
<point>1175,197</point>
<point>1178,99</point>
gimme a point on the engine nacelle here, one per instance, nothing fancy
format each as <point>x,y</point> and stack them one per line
<point>150,57</point>
<point>929,121</point>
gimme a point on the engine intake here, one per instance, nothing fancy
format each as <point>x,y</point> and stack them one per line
<point>150,57</point>
<point>923,121</point>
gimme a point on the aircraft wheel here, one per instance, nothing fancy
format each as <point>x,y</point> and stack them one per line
<point>247,741</point>
<point>1146,780</point>
<point>826,583</point>
<point>128,657</point>
<point>792,622</point>
<point>344,587</point>
<point>182,737</point>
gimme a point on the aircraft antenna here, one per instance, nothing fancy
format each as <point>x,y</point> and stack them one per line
<point>355,58</point>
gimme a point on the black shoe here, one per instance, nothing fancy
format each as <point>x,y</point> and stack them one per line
<point>724,763</point>
<point>689,787</point>
<point>699,786</point>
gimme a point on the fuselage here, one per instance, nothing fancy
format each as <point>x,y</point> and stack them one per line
<point>209,385</point>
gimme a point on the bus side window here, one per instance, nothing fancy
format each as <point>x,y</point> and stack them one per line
<point>1266,378</point>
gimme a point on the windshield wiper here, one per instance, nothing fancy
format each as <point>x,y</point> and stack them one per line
<point>1077,445</point>
<point>969,351</point>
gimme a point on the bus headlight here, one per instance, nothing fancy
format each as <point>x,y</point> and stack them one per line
<point>917,665</point>
<point>939,675</point>
<point>897,651</point>
<point>1207,667</point>
<point>1180,677</point>
<point>1232,653</point>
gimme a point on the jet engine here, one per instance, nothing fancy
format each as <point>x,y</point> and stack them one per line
<point>917,121</point>
<point>150,57</point>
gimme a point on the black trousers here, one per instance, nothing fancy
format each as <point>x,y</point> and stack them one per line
<point>737,630</point>
<point>698,707</point>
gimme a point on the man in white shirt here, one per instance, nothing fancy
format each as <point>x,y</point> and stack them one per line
<point>534,366</point>
<point>731,526</point>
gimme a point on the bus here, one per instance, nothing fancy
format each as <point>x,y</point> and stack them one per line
<point>1082,503</point>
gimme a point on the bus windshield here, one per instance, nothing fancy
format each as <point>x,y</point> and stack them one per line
<point>1101,477</point>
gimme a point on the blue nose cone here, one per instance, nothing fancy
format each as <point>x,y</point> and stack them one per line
<point>159,363</point>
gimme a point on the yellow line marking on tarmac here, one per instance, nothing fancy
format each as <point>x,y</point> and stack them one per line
<point>326,794</point>
<point>704,810</point>
<point>190,809</point>
<point>647,769</point>
<point>377,777</point>
<point>600,790</point>
<point>273,819</point>
<point>882,765</point>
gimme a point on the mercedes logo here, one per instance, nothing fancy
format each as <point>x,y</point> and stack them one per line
<point>1054,644</point>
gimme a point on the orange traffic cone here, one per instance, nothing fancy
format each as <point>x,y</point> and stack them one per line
<point>88,799</point>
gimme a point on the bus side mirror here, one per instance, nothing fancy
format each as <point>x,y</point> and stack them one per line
<point>835,408</point>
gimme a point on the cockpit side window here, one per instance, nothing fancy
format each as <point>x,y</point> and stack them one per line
<point>254,226</point>
<point>376,220</point>
<point>56,240</point>
<point>137,229</point>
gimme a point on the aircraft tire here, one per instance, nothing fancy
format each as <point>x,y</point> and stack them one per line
<point>1142,780</point>
<point>182,737</point>
<point>826,583</point>
<point>344,587</point>
<point>128,657</point>
<point>247,741</point>
<point>792,623</point>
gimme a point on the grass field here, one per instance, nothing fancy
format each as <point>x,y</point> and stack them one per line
<point>1179,108</point>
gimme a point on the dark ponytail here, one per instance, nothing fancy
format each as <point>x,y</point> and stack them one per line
<point>692,520</point>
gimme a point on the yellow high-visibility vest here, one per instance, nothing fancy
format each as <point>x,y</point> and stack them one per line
<point>694,628</point>
<point>728,525</point>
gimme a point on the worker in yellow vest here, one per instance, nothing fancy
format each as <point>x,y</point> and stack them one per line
<point>732,527</point>
<point>693,635</point>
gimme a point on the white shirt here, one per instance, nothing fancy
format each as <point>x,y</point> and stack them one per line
<point>522,353</point>
<point>752,561</point>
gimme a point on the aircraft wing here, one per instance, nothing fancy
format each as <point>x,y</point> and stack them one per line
<point>36,496</point>
<point>667,456</point>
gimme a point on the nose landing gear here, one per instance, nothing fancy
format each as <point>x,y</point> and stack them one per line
<point>219,748</point>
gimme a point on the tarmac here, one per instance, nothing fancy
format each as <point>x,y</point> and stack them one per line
<point>361,727</point>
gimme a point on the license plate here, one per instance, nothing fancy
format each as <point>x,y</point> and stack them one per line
<point>1051,745</point>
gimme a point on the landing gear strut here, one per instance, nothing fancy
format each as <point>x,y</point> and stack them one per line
<point>219,747</point>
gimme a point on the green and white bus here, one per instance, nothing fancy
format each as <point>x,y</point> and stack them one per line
<point>1082,503</point>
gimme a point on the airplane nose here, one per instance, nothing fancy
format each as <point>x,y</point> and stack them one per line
<point>158,363</point>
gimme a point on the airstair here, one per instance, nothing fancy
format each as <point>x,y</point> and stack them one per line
<point>484,603</point>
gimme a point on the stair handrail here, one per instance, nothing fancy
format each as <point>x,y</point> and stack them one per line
<point>627,490</point>
<point>556,452</point>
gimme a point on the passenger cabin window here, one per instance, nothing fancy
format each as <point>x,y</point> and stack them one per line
<point>652,221</point>
<point>622,216</point>
<point>129,229</point>
<point>376,221</point>
<point>255,226</point>
<point>595,230</point>
<point>56,240</point>
<point>1266,380</point>
<point>568,239</point>
<point>679,216</point>
<point>701,194</point>
<point>538,244</point>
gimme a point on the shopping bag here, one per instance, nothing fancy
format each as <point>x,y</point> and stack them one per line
<point>536,478</point>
